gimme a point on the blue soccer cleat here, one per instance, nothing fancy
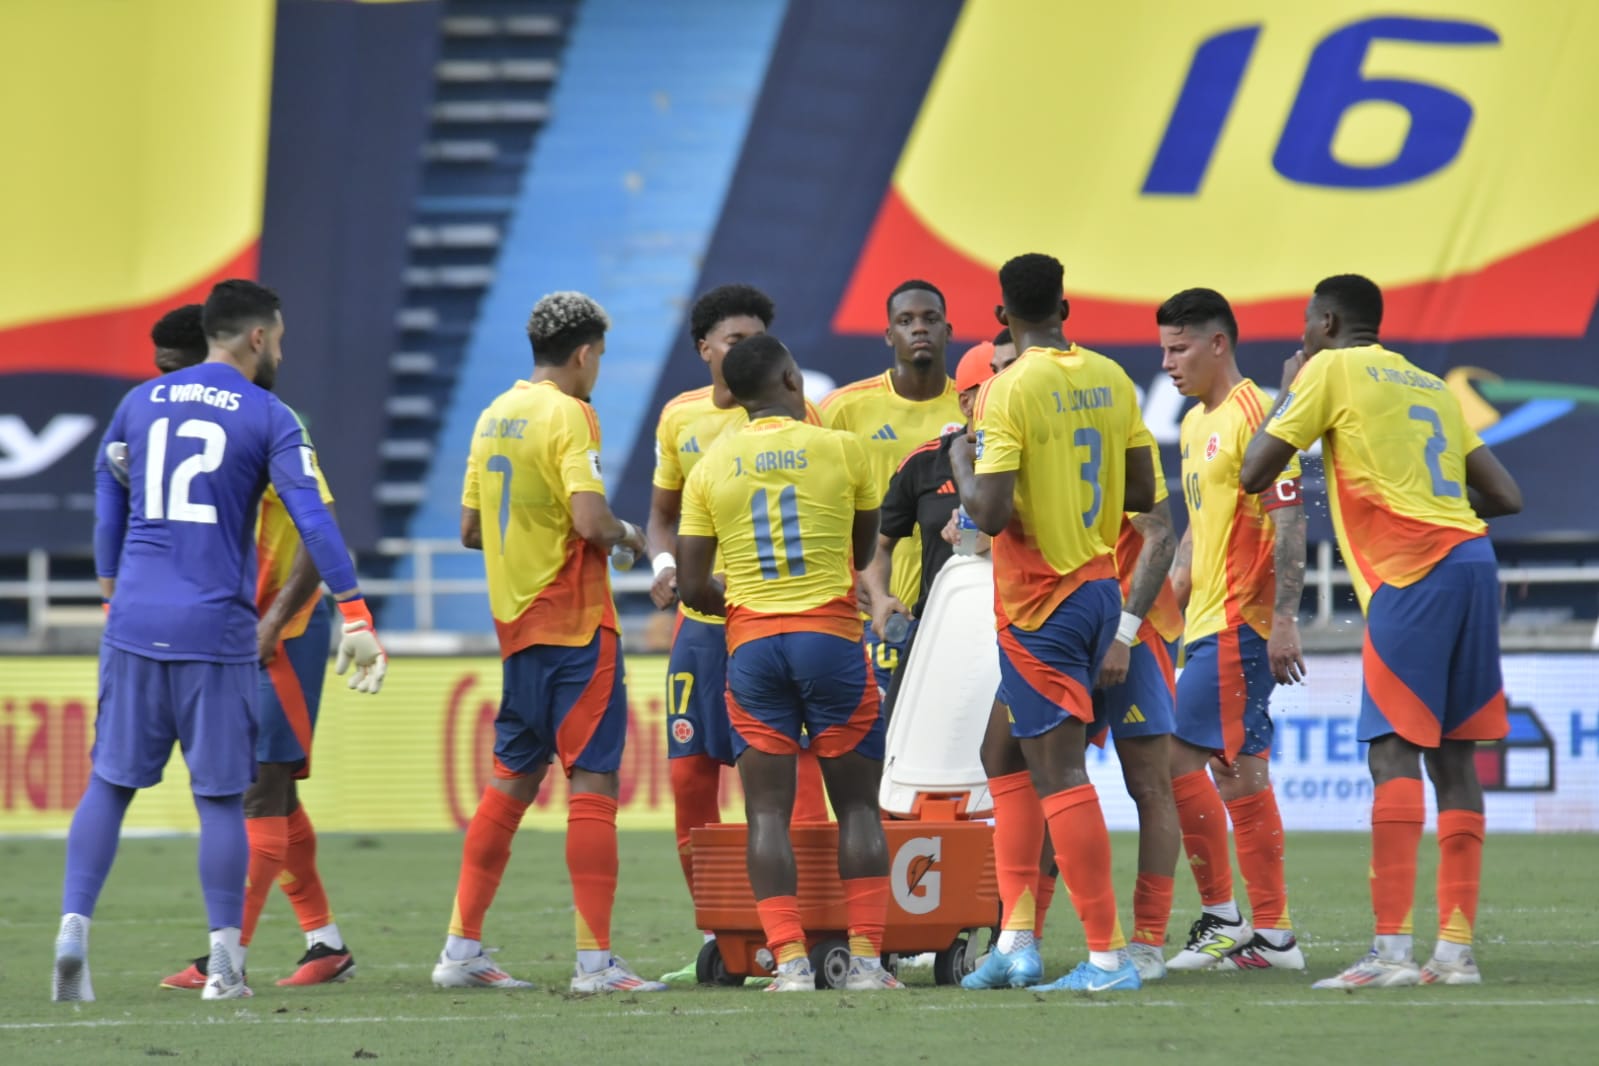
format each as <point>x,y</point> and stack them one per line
<point>1090,978</point>
<point>1017,970</point>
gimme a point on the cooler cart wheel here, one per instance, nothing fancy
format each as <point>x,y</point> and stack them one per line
<point>830,961</point>
<point>711,969</point>
<point>954,962</point>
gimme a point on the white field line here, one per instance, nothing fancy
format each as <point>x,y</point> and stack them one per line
<point>247,1017</point>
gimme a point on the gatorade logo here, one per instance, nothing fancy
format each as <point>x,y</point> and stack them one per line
<point>916,884</point>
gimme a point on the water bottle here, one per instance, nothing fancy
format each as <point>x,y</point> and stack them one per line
<point>896,629</point>
<point>966,541</point>
<point>622,558</point>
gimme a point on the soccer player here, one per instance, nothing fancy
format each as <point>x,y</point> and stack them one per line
<point>1409,483</point>
<point>534,504</point>
<point>698,737</point>
<point>293,637</point>
<point>893,412</point>
<point>792,508</point>
<point>1060,452</point>
<point>179,660</point>
<point>1246,557</point>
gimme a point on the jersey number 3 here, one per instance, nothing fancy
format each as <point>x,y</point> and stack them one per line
<point>174,505</point>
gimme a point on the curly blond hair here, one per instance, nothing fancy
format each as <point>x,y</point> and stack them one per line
<point>562,322</point>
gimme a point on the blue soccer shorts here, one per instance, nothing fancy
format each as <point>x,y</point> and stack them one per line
<point>1046,674</point>
<point>1224,694</point>
<point>696,692</point>
<point>1144,705</point>
<point>147,705</point>
<point>786,685</point>
<point>562,703</point>
<point>291,693</point>
<point>1431,655</point>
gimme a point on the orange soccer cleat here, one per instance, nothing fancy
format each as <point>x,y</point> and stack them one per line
<point>190,979</point>
<point>322,965</point>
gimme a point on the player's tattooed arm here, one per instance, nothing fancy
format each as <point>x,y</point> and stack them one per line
<point>1182,569</point>
<point>1489,486</point>
<point>1282,647</point>
<point>1154,559</point>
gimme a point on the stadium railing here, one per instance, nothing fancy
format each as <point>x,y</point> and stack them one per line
<point>54,603</point>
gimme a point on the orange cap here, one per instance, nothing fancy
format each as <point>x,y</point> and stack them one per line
<point>975,367</point>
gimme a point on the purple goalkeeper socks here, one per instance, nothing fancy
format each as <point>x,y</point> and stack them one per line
<point>224,858</point>
<point>92,844</point>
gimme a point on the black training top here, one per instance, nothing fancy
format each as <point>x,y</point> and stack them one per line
<point>922,493</point>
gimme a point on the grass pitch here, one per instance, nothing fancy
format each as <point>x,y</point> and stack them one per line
<point>1537,937</point>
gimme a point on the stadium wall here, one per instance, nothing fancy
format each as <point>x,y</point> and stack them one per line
<point>417,757</point>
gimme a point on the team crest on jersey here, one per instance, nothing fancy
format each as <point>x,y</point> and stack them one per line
<point>977,452</point>
<point>951,427</point>
<point>682,730</point>
<point>594,465</point>
<point>1212,446</point>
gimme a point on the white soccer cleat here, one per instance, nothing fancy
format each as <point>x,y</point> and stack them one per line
<point>1210,939</point>
<point>70,982</point>
<point>1463,971</point>
<point>617,977</point>
<point>222,979</point>
<point>868,975</point>
<point>476,972</point>
<point>1148,961</point>
<point>1374,971</point>
<point>1260,954</point>
<point>796,976</point>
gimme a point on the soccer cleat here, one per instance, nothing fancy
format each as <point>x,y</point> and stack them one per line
<point>476,972</point>
<point>322,965</point>
<point>189,979</point>
<point>1017,970</point>
<point>1210,939</point>
<point>869,976</point>
<point>1463,971</point>
<point>617,977</point>
<point>1090,978</point>
<point>688,975</point>
<point>1147,960</point>
<point>1375,972</point>
<point>223,980</point>
<point>796,976</point>
<point>70,982</point>
<point>1260,954</point>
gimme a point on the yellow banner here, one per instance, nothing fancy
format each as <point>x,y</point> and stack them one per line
<point>416,757</point>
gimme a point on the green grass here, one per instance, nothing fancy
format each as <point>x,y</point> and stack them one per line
<point>1537,934</point>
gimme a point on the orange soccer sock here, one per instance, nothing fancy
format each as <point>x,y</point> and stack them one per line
<point>810,797</point>
<point>269,843</point>
<point>1151,908</point>
<point>696,782</point>
<point>1047,880</point>
<point>483,858</point>
<point>1018,838</point>
<point>866,907</point>
<point>1258,835</point>
<point>1460,835</point>
<point>1398,811</point>
<point>780,920</point>
<point>1082,847</point>
<point>300,881</point>
<point>1204,821</point>
<point>591,862</point>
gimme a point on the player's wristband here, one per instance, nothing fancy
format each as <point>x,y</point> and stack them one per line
<point>1127,632</point>
<point>355,610</point>
<point>628,529</point>
<point>663,561</point>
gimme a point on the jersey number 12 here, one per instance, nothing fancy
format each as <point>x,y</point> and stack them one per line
<point>176,505</point>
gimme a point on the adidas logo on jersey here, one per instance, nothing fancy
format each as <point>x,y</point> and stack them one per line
<point>693,445</point>
<point>1133,716</point>
<point>886,433</point>
<point>947,489</point>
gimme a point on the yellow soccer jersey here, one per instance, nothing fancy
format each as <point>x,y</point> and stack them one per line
<point>780,498</point>
<point>891,427</point>
<point>1234,572</point>
<point>1394,445</point>
<point>690,423</point>
<point>276,542</point>
<point>1063,420</point>
<point>534,447</point>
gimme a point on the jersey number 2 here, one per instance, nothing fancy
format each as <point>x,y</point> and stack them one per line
<point>175,505</point>
<point>1436,443</point>
<point>765,550</point>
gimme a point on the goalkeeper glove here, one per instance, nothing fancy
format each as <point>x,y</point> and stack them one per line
<point>360,645</point>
